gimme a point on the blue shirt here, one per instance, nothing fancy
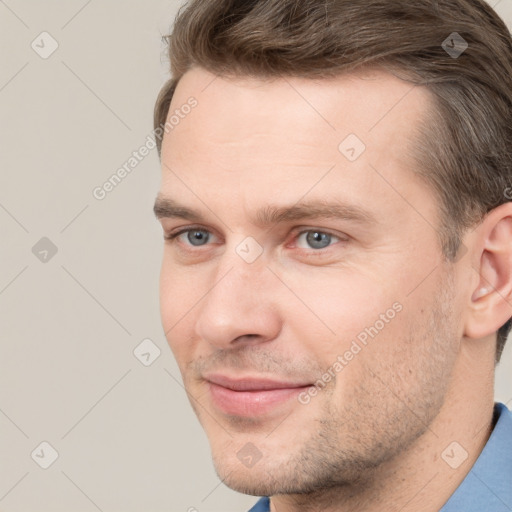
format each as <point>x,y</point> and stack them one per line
<point>488,485</point>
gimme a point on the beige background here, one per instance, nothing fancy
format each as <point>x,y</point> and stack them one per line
<point>126,437</point>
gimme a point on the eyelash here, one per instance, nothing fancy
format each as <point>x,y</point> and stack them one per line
<point>172,236</point>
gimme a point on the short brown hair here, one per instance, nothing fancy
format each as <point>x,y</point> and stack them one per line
<point>465,153</point>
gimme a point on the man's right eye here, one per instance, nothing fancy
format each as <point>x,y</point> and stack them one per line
<point>195,237</point>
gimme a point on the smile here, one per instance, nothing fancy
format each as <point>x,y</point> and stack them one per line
<point>250,397</point>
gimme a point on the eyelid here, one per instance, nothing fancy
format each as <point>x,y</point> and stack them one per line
<point>308,229</point>
<point>301,230</point>
<point>179,231</point>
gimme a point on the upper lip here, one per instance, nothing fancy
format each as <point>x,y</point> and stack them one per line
<point>252,383</point>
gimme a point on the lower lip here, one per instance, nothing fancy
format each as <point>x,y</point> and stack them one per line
<point>251,403</point>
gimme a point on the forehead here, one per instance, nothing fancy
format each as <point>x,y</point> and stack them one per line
<point>312,116</point>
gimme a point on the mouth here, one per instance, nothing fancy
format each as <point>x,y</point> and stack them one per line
<point>249,397</point>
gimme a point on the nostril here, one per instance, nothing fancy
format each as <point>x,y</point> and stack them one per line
<point>246,337</point>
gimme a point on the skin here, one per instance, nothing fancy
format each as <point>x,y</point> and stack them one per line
<point>376,432</point>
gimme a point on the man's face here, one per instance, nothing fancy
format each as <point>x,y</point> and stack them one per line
<point>257,308</point>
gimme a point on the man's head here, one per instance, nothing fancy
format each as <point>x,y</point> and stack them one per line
<point>349,168</point>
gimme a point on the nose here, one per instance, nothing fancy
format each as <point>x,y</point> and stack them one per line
<point>241,305</point>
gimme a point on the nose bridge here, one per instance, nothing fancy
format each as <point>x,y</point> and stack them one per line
<point>239,300</point>
<point>242,274</point>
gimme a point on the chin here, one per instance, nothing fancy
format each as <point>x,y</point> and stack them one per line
<point>249,486</point>
<point>253,481</point>
<point>265,478</point>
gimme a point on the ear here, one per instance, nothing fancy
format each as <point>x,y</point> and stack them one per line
<point>491,301</point>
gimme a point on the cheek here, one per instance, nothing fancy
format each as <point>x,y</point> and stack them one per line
<point>180,290</point>
<point>177,300</point>
<point>168,293</point>
<point>338,307</point>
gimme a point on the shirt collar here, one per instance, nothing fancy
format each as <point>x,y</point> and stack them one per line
<point>488,485</point>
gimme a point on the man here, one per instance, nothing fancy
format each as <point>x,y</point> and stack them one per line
<point>337,274</point>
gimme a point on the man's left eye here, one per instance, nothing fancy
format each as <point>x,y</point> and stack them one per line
<point>316,239</point>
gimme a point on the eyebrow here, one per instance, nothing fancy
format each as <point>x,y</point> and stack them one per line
<point>166,207</point>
